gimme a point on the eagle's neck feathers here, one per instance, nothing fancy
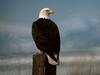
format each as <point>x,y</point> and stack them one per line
<point>44,16</point>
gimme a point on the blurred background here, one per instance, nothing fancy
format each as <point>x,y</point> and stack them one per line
<point>79,25</point>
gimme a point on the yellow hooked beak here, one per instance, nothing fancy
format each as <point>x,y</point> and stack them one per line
<point>51,12</point>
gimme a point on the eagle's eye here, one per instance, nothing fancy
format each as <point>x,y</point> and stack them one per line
<point>47,10</point>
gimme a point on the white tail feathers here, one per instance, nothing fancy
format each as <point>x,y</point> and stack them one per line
<point>51,61</point>
<point>55,56</point>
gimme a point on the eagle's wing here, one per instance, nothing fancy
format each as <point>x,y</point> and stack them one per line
<point>38,36</point>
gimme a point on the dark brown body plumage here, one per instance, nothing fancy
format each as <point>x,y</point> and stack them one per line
<point>46,36</point>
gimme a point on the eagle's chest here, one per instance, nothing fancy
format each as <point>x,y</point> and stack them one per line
<point>45,27</point>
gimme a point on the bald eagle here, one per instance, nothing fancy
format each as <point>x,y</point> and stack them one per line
<point>46,35</point>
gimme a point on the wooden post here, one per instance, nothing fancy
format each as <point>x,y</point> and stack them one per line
<point>41,65</point>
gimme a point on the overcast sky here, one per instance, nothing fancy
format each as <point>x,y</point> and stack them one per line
<point>78,22</point>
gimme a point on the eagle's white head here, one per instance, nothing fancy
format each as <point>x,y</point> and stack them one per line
<point>45,12</point>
